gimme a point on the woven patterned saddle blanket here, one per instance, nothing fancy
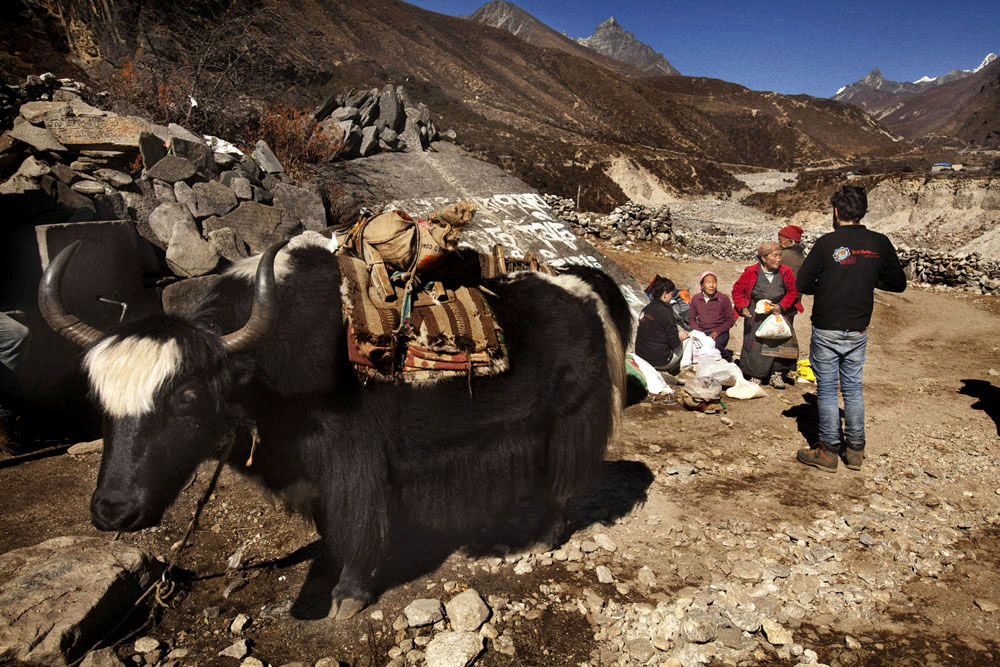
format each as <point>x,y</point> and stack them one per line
<point>441,333</point>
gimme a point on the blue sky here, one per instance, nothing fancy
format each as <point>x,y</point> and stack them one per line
<point>786,46</point>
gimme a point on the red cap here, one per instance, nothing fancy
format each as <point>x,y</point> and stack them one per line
<point>792,232</point>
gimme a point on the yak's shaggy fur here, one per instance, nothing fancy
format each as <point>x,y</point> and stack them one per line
<point>438,457</point>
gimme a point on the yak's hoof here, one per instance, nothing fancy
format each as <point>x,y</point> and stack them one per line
<point>348,607</point>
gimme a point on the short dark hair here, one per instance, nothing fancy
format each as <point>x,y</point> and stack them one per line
<point>851,203</point>
<point>659,286</point>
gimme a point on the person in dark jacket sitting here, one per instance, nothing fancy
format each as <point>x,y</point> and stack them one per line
<point>657,339</point>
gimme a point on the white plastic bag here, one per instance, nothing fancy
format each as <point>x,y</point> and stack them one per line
<point>745,390</point>
<point>704,388</point>
<point>687,350</point>
<point>655,383</point>
<point>763,306</point>
<point>774,328</point>
<point>726,372</point>
<point>703,347</point>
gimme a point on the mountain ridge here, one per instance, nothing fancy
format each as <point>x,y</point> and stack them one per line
<point>611,39</point>
<point>958,104</point>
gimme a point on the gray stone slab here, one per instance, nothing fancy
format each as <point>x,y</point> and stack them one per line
<point>266,158</point>
<point>38,138</point>
<point>390,109</point>
<point>213,198</point>
<point>196,151</point>
<point>369,141</point>
<point>184,194</point>
<point>119,179</point>
<point>37,112</point>
<point>152,149</point>
<point>302,205</point>
<point>165,217</point>
<point>109,132</point>
<point>188,254</point>
<point>241,188</point>
<point>257,225</point>
<point>227,244</point>
<point>89,188</point>
<point>60,596</point>
<point>172,168</point>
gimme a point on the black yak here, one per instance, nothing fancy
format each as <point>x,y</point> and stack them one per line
<point>175,393</point>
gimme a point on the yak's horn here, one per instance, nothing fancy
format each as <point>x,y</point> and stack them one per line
<point>264,310</point>
<point>51,304</point>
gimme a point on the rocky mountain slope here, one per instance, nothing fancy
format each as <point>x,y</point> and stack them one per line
<point>613,40</point>
<point>557,120</point>
<point>961,104</point>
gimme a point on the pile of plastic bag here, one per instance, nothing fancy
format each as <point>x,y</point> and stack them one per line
<point>729,375</point>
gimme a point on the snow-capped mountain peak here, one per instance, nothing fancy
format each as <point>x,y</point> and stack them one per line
<point>986,61</point>
<point>926,79</point>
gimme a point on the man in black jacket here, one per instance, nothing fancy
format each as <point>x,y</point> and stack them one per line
<point>843,269</point>
<point>657,339</point>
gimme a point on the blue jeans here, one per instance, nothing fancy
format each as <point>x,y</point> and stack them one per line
<point>839,355</point>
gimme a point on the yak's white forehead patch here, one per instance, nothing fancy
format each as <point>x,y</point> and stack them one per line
<point>126,373</point>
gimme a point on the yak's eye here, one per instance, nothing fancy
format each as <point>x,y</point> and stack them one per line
<point>186,398</point>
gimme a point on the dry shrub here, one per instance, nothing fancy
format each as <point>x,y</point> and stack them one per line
<point>296,138</point>
<point>137,89</point>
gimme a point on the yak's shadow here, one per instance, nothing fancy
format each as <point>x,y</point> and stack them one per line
<point>989,398</point>
<point>415,551</point>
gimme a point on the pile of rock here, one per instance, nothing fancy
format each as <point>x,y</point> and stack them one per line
<point>726,244</point>
<point>45,87</point>
<point>454,633</point>
<point>376,120</point>
<point>968,271</point>
<point>198,201</point>
<point>629,222</point>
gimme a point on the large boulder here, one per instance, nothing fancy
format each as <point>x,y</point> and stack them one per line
<point>58,597</point>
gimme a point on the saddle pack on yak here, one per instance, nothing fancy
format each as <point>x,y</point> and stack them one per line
<point>404,326</point>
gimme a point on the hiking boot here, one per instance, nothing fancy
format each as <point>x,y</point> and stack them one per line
<point>818,456</point>
<point>777,381</point>
<point>853,456</point>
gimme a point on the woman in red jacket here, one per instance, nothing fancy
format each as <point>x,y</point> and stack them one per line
<point>767,279</point>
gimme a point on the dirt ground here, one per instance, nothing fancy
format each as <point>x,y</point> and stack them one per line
<point>933,419</point>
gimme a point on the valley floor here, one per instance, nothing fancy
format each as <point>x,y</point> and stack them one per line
<point>897,564</point>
